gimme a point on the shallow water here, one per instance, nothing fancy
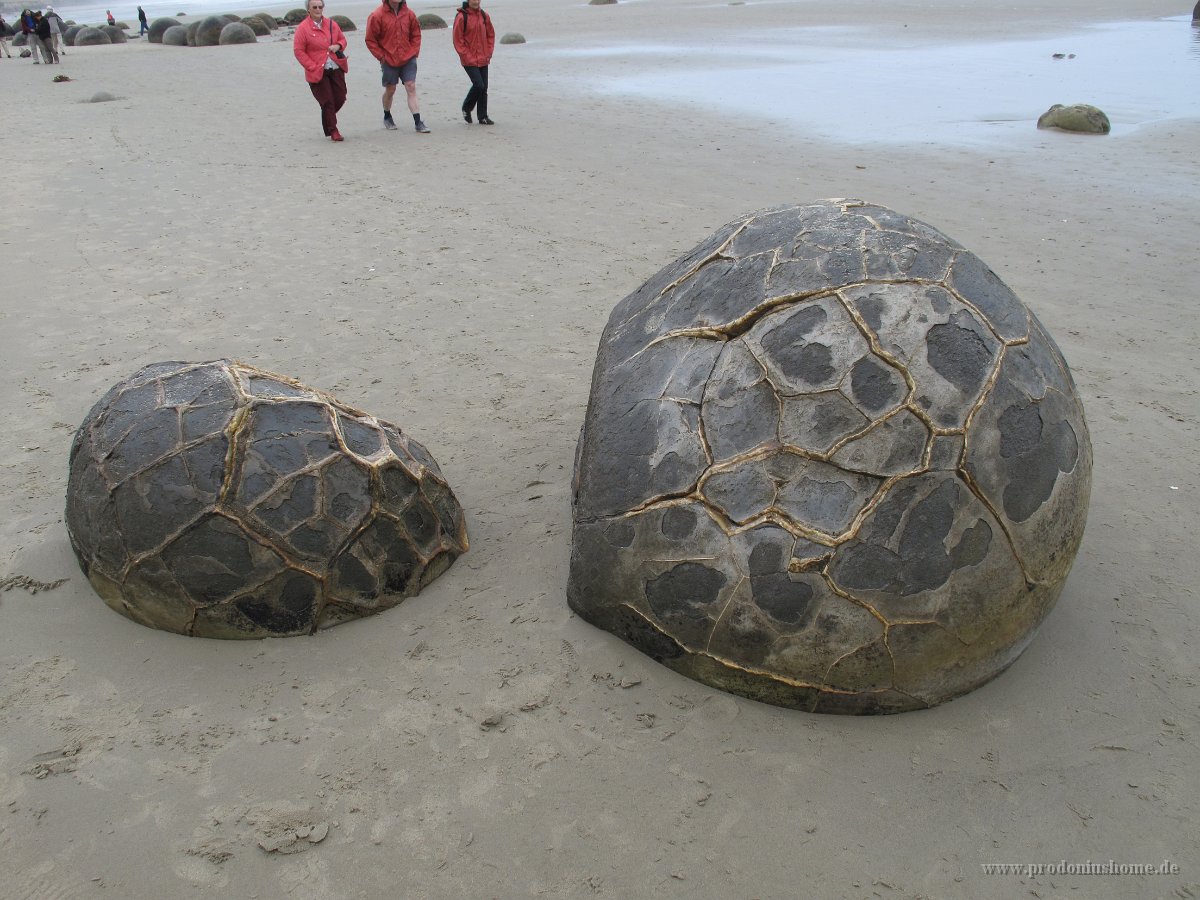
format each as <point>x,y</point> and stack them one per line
<point>852,85</point>
<point>126,11</point>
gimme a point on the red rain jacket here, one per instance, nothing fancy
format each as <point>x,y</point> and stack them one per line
<point>311,46</point>
<point>393,37</point>
<point>474,37</point>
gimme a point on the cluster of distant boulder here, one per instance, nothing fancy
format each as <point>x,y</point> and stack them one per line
<point>212,30</point>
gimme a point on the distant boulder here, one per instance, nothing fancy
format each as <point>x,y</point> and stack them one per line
<point>237,33</point>
<point>68,36</point>
<point>20,40</point>
<point>1080,118</point>
<point>601,2</point>
<point>430,20</point>
<point>91,37</point>
<point>269,20</point>
<point>231,17</point>
<point>1196,13</point>
<point>175,36</point>
<point>209,32</point>
<point>257,25</point>
<point>158,26</point>
<point>115,34</point>
<point>345,23</point>
<point>513,38</point>
<point>192,28</point>
<point>295,16</point>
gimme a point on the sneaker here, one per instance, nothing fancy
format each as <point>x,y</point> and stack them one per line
<point>467,116</point>
<point>422,128</point>
<point>336,136</point>
<point>484,120</point>
<point>388,122</point>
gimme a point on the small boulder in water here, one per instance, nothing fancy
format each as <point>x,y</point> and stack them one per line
<point>1079,117</point>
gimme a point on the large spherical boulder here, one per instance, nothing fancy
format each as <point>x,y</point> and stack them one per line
<point>68,36</point>
<point>158,27</point>
<point>175,36</point>
<point>513,37</point>
<point>429,21</point>
<point>237,33</point>
<point>1079,117</point>
<point>257,25</point>
<point>219,500</point>
<point>829,461</point>
<point>115,34</point>
<point>295,16</point>
<point>345,23</point>
<point>208,34</point>
<point>20,39</point>
<point>91,37</point>
<point>192,28</point>
<point>269,20</point>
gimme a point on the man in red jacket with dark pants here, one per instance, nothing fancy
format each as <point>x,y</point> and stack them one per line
<point>394,38</point>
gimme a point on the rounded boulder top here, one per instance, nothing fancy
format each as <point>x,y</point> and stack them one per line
<point>830,461</point>
<point>219,500</point>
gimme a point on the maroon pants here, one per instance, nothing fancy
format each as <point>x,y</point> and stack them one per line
<point>330,92</point>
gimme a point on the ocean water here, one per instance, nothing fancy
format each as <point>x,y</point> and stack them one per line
<point>125,11</point>
<point>857,85</point>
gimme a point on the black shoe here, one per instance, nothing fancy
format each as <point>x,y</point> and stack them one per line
<point>388,122</point>
<point>484,120</point>
<point>422,128</point>
<point>467,116</point>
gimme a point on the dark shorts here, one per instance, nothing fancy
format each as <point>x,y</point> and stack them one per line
<point>404,73</point>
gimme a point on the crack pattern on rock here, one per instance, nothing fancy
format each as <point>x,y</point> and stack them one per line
<point>862,474</point>
<point>220,500</point>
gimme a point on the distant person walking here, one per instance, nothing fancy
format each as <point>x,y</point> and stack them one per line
<point>320,48</point>
<point>475,39</point>
<point>4,36</point>
<point>56,30</point>
<point>394,38</point>
<point>42,29</point>
<point>142,22</point>
<point>32,41</point>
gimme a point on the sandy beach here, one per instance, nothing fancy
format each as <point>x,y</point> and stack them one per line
<point>480,740</point>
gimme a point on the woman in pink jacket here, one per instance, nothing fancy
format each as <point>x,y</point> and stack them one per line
<point>474,39</point>
<point>320,47</point>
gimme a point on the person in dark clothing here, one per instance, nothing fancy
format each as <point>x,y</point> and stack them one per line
<point>44,36</point>
<point>475,39</point>
<point>142,22</point>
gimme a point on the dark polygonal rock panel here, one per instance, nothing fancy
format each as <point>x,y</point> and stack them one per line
<point>829,461</point>
<point>218,500</point>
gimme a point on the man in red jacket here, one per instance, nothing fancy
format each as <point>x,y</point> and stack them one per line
<point>394,38</point>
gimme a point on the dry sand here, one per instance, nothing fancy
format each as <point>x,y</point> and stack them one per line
<point>480,740</point>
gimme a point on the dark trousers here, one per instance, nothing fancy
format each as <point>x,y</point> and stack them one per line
<point>477,95</point>
<point>330,92</point>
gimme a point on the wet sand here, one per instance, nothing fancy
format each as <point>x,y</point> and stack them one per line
<point>479,740</point>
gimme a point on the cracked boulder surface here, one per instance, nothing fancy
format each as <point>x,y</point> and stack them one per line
<point>829,461</point>
<point>218,500</point>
